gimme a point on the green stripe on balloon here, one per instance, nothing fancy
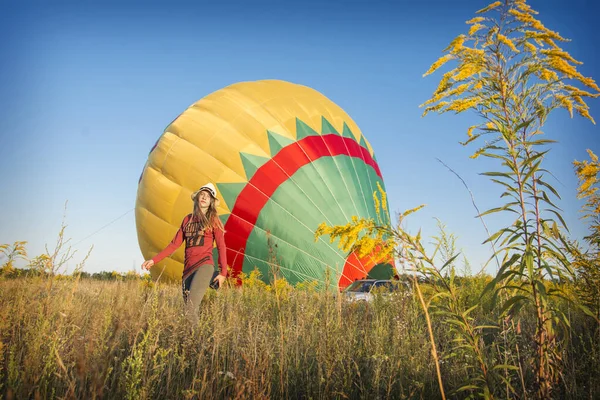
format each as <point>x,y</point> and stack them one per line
<point>321,182</point>
<point>346,132</point>
<point>316,182</point>
<point>363,142</point>
<point>344,164</point>
<point>339,202</point>
<point>352,180</point>
<point>300,201</point>
<point>294,242</point>
<point>230,192</point>
<point>277,142</point>
<point>326,127</point>
<point>365,178</point>
<point>359,179</point>
<point>251,163</point>
<point>223,218</point>
<point>303,130</point>
<point>285,254</point>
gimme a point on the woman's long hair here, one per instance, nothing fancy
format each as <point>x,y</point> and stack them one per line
<point>200,221</point>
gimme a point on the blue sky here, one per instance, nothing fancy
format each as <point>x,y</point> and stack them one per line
<point>87,89</point>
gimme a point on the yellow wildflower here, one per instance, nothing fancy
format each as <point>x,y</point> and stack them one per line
<point>383,199</point>
<point>550,43</point>
<point>583,111</point>
<point>365,246</point>
<point>561,65</point>
<point>441,61</point>
<point>493,30</point>
<point>474,54</point>
<point>579,101</point>
<point>321,230</point>
<point>412,210</point>
<point>460,105</point>
<point>437,107</point>
<point>548,75</point>
<point>529,20</point>
<point>376,201</point>
<point>457,91</point>
<point>566,103</point>
<point>470,130</point>
<point>431,100</point>
<point>587,172</point>
<point>467,70</point>
<point>456,44</point>
<point>589,82</point>
<point>475,28</point>
<point>490,125</point>
<point>586,186</point>
<point>475,20</point>
<point>477,153</point>
<point>440,92</point>
<point>490,7</point>
<point>538,25</point>
<point>504,40</point>
<point>444,82</point>
<point>574,91</point>
<point>530,47</point>
<point>521,5</point>
<point>525,18</point>
<point>560,53</point>
<point>545,35</point>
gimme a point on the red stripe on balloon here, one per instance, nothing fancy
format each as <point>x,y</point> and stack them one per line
<point>255,195</point>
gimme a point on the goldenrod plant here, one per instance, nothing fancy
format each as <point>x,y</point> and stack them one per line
<point>366,235</point>
<point>511,71</point>
<point>586,262</point>
<point>443,299</point>
<point>12,253</point>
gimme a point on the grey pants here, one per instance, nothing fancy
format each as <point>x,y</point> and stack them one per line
<point>194,288</point>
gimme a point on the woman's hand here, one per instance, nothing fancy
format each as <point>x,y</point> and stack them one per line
<point>220,278</point>
<point>147,265</point>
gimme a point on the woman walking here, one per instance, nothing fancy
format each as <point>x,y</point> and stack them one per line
<point>199,230</point>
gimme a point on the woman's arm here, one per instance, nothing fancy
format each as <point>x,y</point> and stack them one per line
<point>175,243</point>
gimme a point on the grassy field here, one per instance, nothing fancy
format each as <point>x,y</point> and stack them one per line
<point>534,332</point>
<point>130,339</point>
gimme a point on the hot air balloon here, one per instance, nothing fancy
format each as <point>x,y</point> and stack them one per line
<point>284,159</point>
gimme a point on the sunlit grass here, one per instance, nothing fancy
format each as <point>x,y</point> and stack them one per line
<point>127,339</point>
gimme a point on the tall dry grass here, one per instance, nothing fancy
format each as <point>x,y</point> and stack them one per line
<point>93,339</point>
<point>90,339</point>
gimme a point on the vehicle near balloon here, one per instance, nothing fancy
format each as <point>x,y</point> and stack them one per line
<point>367,289</point>
<point>284,159</point>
